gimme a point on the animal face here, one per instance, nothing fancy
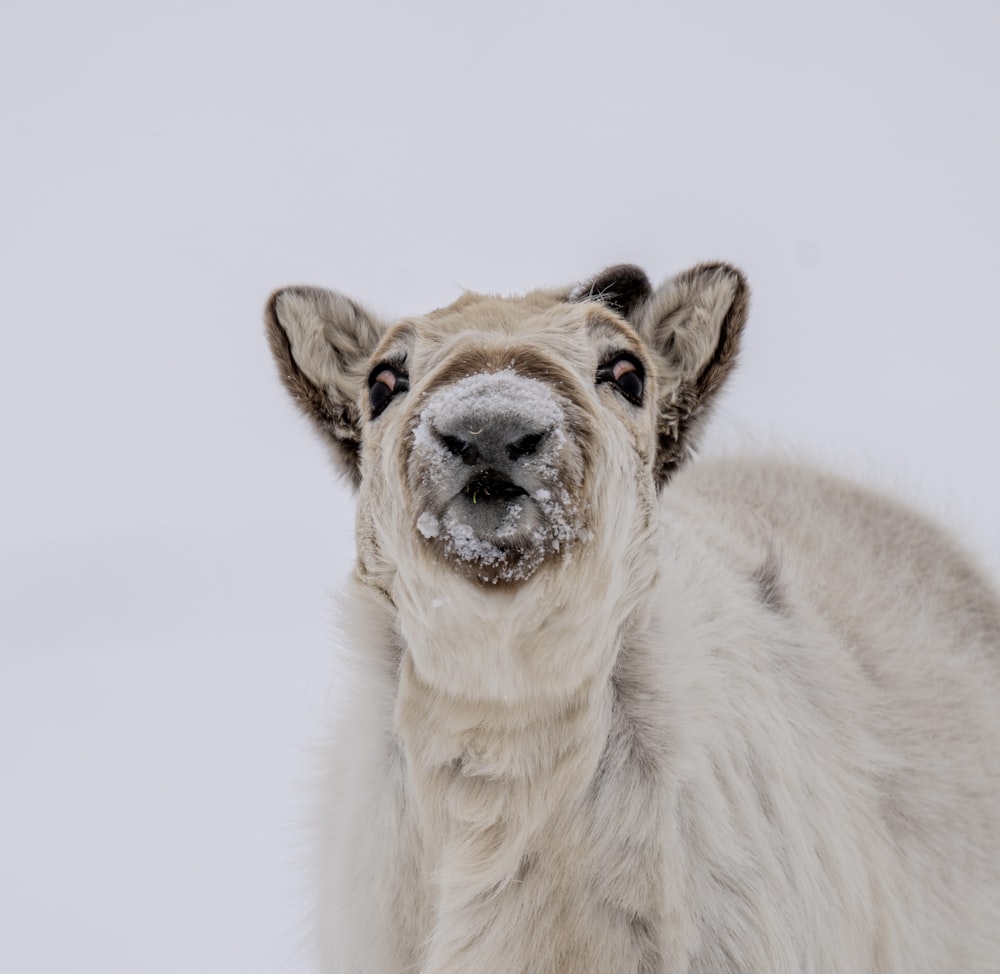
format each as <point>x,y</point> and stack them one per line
<point>497,435</point>
<point>499,421</point>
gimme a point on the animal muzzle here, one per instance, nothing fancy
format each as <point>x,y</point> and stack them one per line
<point>496,474</point>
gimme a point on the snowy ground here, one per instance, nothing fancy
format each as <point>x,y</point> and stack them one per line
<point>171,532</point>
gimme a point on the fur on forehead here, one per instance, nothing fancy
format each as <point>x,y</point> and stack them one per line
<point>489,313</point>
<point>499,329</point>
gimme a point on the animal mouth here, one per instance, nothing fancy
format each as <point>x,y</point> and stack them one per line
<point>498,531</point>
<point>492,486</point>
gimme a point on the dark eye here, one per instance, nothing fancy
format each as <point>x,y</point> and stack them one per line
<point>627,375</point>
<point>385,382</point>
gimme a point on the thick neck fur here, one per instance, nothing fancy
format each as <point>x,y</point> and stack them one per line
<point>503,709</point>
<point>490,784</point>
<point>505,686</point>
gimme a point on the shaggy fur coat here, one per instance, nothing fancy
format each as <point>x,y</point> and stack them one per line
<point>610,709</point>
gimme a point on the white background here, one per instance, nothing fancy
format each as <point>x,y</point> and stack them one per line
<point>171,532</point>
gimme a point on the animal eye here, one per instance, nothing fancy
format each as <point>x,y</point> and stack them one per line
<point>627,375</point>
<point>385,382</point>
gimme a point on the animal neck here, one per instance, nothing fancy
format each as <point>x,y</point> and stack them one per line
<point>533,644</point>
<point>458,738</point>
<point>504,709</point>
<point>491,783</point>
<point>491,759</point>
<point>503,684</point>
<point>495,695</point>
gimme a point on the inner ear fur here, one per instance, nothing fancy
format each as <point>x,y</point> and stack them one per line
<point>321,341</point>
<point>692,323</point>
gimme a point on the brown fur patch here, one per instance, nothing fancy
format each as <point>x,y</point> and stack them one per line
<point>619,288</point>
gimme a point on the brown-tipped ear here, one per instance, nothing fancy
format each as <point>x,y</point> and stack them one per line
<point>321,342</point>
<point>620,288</point>
<point>692,325</point>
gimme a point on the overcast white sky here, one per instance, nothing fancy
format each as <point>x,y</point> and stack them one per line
<point>170,530</point>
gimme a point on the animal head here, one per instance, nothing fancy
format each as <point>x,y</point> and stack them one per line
<point>500,435</point>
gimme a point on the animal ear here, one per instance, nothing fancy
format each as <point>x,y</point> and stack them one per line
<point>692,325</point>
<point>321,342</point>
<point>620,288</point>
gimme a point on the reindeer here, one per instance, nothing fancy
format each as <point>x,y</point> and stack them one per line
<point>610,710</point>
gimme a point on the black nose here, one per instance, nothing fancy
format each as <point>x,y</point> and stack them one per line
<point>525,446</point>
<point>465,449</point>
<point>492,445</point>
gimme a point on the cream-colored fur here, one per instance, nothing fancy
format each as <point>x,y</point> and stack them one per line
<point>641,715</point>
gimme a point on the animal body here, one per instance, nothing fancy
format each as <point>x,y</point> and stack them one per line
<point>611,709</point>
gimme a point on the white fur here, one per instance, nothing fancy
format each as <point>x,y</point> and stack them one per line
<point>747,721</point>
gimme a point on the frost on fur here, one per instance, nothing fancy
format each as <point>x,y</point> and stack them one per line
<point>507,398</point>
<point>612,710</point>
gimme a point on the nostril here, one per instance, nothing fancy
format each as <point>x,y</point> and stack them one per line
<point>469,452</point>
<point>525,446</point>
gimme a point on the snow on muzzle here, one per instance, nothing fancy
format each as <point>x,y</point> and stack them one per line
<point>496,472</point>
